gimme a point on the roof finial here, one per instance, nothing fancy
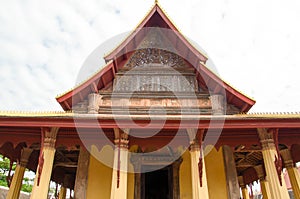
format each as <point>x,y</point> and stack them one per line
<point>156,1</point>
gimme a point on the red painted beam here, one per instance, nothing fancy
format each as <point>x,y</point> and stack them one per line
<point>139,122</point>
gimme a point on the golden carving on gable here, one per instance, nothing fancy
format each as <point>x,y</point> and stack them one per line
<point>155,57</point>
<point>155,50</point>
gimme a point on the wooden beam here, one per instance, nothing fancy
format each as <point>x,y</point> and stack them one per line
<point>66,164</point>
<point>245,165</point>
<point>176,43</point>
<point>80,96</point>
<point>134,43</point>
<point>187,54</point>
<point>244,108</point>
<point>230,97</point>
<point>115,66</point>
<point>103,81</point>
<point>67,104</point>
<point>248,150</point>
<point>125,53</point>
<point>217,89</point>
<point>113,71</point>
<point>174,122</point>
<point>94,87</point>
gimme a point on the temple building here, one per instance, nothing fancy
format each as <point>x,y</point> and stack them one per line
<point>153,123</point>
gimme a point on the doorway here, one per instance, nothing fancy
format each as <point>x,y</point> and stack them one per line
<point>161,183</point>
<point>157,184</point>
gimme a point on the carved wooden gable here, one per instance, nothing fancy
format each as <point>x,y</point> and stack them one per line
<point>156,51</point>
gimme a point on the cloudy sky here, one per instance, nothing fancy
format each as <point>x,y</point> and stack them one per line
<point>254,44</point>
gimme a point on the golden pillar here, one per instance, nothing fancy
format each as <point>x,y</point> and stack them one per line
<point>264,185</point>
<point>198,172</point>
<point>272,159</point>
<point>243,187</point>
<point>44,170</point>
<point>62,192</point>
<point>292,171</point>
<point>16,184</point>
<point>119,176</point>
<point>63,188</point>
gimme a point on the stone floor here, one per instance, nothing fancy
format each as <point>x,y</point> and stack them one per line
<point>4,190</point>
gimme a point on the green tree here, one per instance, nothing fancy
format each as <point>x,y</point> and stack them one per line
<point>4,169</point>
<point>27,185</point>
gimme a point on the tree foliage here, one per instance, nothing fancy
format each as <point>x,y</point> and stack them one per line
<point>4,169</point>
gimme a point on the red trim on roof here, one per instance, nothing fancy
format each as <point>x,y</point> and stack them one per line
<point>155,9</point>
<point>106,75</point>
<point>243,102</point>
<point>70,97</point>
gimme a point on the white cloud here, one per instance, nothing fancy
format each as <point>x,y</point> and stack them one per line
<point>254,44</point>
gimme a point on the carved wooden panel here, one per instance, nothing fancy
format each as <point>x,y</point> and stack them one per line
<point>151,57</point>
<point>155,82</point>
<point>155,50</point>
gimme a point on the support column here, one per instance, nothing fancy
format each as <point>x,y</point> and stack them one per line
<point>137,177</point>
<point>63,189</point>
<point>81,181</point>
<point>44,170</point>
<point>199,181</point>
<point>119,176</point>
<point>93,105</point>
<point>62,192</point>
<point>218,104</point>
<point>231,173</point>
<point>264,185</point>
<point>292,171</point>
<point>272,161</point>
<point>16,184</point>
<point>175,169</point>
<point>245,192</point>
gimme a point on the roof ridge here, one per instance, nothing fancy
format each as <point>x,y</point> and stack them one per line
<point>180,32</point>
<point>132,31</point>
<point>157,4</point>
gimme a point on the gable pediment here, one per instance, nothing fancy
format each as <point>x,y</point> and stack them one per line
<point>155,50</point>
<point>156,44</point>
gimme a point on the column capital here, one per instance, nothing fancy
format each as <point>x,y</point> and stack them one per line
<point>287,158</point>
<point>266,137</point>
<point>260,172</point>
<point>194,145</point>
<point>195,139</point>
<point>50,136</point>
<point>121,138</point>
<point>25,154</point>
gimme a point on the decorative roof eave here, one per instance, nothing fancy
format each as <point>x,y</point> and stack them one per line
<point>73,120</point>
<point>156,8</point>
<point>67,114</point>
<point>236,129</point>
<point>87,84</point>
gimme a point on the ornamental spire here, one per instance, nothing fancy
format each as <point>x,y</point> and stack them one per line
<point>156,1</point>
